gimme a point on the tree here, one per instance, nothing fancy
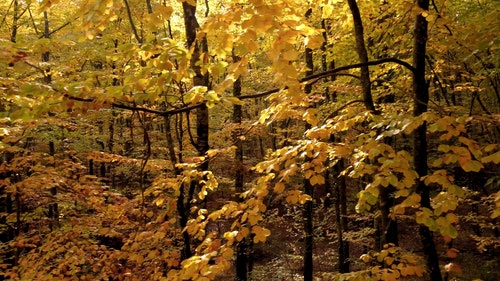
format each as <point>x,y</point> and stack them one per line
<point>421,99</point>
<point>194,140</point>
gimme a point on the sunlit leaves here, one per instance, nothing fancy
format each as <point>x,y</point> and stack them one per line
<point>97,14</point>
<point>391,263</point>
<point>260,234</point>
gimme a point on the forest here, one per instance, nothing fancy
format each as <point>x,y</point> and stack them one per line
<point>250,140</point>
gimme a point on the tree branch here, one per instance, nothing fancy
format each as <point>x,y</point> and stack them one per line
<point>258,95</point>
<point>132,24</point>
<point>56,30</point>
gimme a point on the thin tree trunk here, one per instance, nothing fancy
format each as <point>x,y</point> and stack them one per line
<point>15,18</point>
<point>363,55</point>
<point>191,25</point>
<point>111,128</point>
<point>308,188</point>
<point>308,233</point>
<point>421,99</point>
<point>341,219</point>
<point>53,207</point>
<point>242,249</point>
<point>47,78</point>
<point>388,227</point>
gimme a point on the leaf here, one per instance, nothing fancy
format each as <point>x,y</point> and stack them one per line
<point>495,158</point>
<point>471,165</point>
<point>365,258</point>
<point>159,201</point>
<point>452,253</point>
<point>260,233</point>
<point>453,268</point>
<point>279,187</point>
<point>317,180</point>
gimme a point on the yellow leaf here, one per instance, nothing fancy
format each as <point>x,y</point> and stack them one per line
<point>490,147</point>
<point>317,180</point>
<point>164,11</point>
<point>242,233</point>
<point>260,233</point>
<point>212,152</point>
<point>279,187</point>
<point>469,165</point>
<point>495,158</point>
<point>327,11</point>
<point>159,201</point>
<point>365,258</point>
<point>314,42</point>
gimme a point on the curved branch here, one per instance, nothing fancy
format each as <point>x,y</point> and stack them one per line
<point>132,24</point>
<point>335,71</point>
<point>316,76</point>
<point>358,65</point>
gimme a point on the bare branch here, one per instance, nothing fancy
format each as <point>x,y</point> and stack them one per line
<point>56,30</point>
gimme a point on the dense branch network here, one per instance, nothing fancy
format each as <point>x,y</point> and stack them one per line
<point>320,75</point>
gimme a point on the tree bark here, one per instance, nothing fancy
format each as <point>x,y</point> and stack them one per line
<point>15,18</point>
<point>308,188</point>
<point>191,25</point>
<point>421,99</point>
<point>341,219</point>
<point>242,249</point>
<point>47,78</point>
<point>388,230</point>
<point>363,55</point>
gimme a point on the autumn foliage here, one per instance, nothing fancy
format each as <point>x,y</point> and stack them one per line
<point>249,140</point>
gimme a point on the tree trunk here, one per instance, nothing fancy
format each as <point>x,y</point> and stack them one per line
<point>421,98</point>
<point>47,78</point>
<point>242,249</point>
<point>308,233</point>
<point>53,207</point>
<point>308,188</point>
<point>363,55</point>
<point>191,25</point>
<point>111,128</point>
<point>15,18</point>
<point>341,218</point>
<point>388,231</point>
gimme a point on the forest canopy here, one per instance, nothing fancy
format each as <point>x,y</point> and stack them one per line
<point>249,140</point>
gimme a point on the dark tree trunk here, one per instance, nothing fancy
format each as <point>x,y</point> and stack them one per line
<point>242,260</point>
<point>191,26</point>
<point>111,128</point>
<point>308,233</point>
<point>363,55</point>
<point>53,207</point>
<point>47,78</point>
<point>15,18</point>
<point>388,228</point>
<point>308,188</point>
<point>242,248</point>
<point>421,99</point>
<point>341,218</point>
